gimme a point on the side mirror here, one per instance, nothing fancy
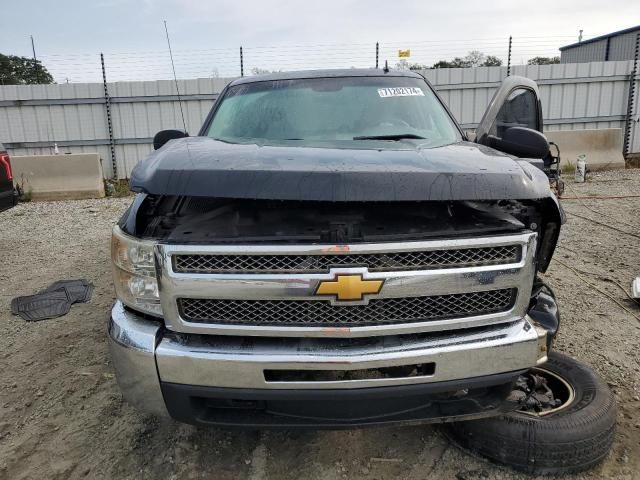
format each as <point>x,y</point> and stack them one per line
<point>163,136</point>
<point>521,142</point>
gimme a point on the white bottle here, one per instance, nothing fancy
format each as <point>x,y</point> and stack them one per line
<point>581,168</point>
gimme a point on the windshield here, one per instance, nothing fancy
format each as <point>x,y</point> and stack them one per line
<point>357,111</point>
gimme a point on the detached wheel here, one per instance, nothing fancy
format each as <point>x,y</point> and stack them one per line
<point>565,423</point>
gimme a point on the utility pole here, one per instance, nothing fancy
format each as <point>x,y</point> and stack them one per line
<point>509,56</point>
<point>632,100</point>
<point>107,105</point>
<point>35,60</point>
<point>33,49</point>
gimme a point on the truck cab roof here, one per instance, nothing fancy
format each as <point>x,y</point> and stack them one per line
<point>327,73</point>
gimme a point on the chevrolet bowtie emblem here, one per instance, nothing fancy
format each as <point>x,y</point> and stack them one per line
<point>349,287</point>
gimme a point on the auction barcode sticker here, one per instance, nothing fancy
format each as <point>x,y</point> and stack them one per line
<point>401,92</point>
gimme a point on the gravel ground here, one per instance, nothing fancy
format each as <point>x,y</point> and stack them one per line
<point>62,416</point>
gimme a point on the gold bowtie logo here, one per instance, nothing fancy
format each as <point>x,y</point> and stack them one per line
<point>349,287</point>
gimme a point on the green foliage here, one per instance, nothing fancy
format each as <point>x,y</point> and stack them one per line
<point>117,188</point>
<point>417,66</point>
<point>543,60</point>
<point>568,168</point>
<point>403,64</point>
<point>24,189</point>
<point>262,71</point>
<point>492,61</point>
<point>474,58</point>
<point>455,63</point>
<point>16,70</point>
<point>25,196</point>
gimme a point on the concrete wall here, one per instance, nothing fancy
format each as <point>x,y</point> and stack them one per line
<point>59,177</point>
<point>603,147</point>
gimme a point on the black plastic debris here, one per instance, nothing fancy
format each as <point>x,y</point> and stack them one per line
<point>42,305</point>
<point>52,302</point>
<point>79,290</point>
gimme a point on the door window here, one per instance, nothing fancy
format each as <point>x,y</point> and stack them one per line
<point>519,110</point>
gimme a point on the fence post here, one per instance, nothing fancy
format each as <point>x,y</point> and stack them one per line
<point>377,53</point>
<point>241,63</point>
<point>107,104</point>
<point>509,58</point>
<point>631,100</point>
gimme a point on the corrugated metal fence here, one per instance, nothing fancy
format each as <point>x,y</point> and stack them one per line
<point>35,117</point>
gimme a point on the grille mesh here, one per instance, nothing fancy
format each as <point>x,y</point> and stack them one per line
<point>376,262</point>
<point>380,311</point>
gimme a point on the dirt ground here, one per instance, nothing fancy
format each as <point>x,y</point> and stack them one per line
<point>62,416</point>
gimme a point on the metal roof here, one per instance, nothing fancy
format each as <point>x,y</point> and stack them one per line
<point>602,37</point>
<point>344,72</point>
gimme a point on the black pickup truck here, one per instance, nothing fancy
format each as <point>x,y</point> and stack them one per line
<point>330,251</point>
<point>8,195</point>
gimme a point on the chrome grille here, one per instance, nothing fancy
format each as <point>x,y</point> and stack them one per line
<point>378,311</point>
<point>376,262</point>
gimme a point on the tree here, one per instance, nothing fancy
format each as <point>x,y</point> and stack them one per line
<point>16,70</point>
<point>262,71</point>
<point>474,58</point>
<point>455,63</point>
<point>403,64</point>
<point>543,60</point>
<point>417,66</point>
<point>492,61</point>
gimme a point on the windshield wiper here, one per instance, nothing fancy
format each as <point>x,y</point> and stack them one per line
<point>397,136</point>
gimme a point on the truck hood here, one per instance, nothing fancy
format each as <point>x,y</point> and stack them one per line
<point>201,166</point>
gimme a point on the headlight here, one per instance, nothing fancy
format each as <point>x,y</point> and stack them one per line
<point>134,272</point>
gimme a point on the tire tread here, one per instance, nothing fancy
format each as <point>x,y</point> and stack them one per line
<point>568,441</point>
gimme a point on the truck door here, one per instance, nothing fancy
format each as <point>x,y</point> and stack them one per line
<point>514,108</point>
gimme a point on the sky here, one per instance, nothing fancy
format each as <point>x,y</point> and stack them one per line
<point>285,35</point>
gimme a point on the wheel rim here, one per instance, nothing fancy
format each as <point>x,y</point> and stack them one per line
<point>561,388</point>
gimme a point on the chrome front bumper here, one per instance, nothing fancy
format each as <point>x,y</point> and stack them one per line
<point>145,356</point>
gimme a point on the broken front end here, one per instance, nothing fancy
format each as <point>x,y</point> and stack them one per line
<point>329,314</point>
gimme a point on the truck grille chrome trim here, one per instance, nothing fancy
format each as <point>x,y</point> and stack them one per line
<point>287,303</point>
<point>375,262</point>
<point>382,311</point>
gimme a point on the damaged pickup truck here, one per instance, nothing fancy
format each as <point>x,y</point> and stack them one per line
<point>331,251</point>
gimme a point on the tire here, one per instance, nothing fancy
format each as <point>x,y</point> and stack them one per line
<point>574,438</point>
